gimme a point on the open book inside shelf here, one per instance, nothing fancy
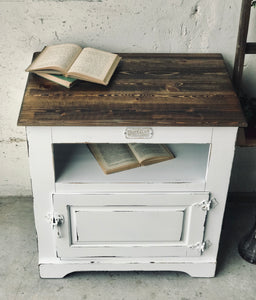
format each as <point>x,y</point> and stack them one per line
<point>75,164</point>
<point>114,158</point>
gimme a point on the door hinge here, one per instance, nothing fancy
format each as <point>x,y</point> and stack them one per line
<point>206,205</point>
<point>56,220</point>
<point>201,246</point>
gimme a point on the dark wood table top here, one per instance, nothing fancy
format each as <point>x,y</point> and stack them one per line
<point>146,90</point>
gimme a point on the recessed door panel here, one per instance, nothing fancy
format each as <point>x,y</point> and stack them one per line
<point>125,225</point>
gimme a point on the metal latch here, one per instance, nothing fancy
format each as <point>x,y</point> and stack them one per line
<point>206,205</point>
<point>56,220</point>
<point>201,247</point>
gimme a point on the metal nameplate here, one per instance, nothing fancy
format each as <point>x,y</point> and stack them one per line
<point>138,133</point>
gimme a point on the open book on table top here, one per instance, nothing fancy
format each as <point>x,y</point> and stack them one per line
<point>74,61</point>
<point>119,157</point>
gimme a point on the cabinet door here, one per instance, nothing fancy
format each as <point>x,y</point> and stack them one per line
<point>130,224</point>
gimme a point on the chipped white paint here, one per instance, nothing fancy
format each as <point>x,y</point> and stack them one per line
<point>118,26</point>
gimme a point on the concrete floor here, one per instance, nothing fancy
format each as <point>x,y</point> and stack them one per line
<point>19,279</point>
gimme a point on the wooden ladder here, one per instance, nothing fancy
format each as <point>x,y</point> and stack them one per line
<point>243,47</point>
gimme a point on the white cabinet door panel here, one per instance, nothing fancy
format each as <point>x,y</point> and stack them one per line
<point>130,224</point>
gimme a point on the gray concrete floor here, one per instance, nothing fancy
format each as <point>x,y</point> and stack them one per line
<point>19,279</point>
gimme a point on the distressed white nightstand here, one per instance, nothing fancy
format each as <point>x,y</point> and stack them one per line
<point>166,216</point>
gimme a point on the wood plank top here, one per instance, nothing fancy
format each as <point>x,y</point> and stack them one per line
<point>146,90</point>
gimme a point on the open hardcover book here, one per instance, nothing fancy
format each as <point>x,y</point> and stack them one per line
<point>119,157</point>
<point>73,61</point>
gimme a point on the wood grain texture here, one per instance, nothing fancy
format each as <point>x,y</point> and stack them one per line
<point>146,90</point>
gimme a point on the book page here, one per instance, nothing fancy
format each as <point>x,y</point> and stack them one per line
<point>150,151</point>
<point>113,157</point>
<point>60,56</point>
<point>93,63</point>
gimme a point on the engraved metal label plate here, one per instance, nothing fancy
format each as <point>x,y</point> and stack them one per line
<point>138,133</point>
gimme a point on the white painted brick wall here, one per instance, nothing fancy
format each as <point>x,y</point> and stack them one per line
<point>118,26</point>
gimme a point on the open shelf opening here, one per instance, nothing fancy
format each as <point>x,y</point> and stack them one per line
<point>75,164</point>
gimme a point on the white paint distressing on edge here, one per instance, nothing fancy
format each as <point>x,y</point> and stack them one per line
<point>199,269</point>
<point>217,183</point>
<point>43,186</point>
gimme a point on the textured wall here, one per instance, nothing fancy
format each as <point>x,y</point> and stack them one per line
<point>118,26</point>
